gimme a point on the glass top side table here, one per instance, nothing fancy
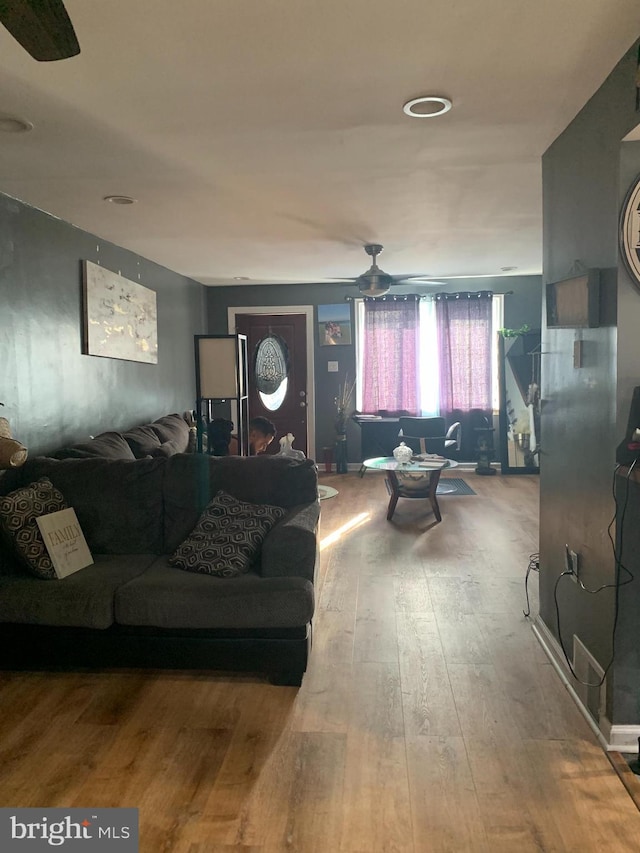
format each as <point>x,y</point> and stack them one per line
<point>415,479</point>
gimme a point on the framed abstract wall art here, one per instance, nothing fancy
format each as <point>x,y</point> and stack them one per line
<point>120,316</point>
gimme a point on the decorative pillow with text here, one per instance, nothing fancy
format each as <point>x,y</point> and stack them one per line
<point>18,513</point>
<point>227,537</point>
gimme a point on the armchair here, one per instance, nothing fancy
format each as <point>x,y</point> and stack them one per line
<point>429,435</point>
<point>453,440</point>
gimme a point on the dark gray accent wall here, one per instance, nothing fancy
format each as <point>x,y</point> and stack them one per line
<point>581,407</point>
<point>523,306</point>
<point>628,354</point>
<point>53,394</point>
<point>624,690</point>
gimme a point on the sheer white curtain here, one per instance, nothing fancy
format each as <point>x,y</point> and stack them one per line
<point>429,384</point>
<point>497,323</point>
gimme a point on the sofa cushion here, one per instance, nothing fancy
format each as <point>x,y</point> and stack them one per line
<point>107,445</point>
<point>167,448</point>
<point>118,502</point>
<point>165,598</point>
<point>172,428</point>
<point>227,537</point>
<point>84,599</point>
<point>191,481</point>
<point>142,440</point>
<point>18,513</point>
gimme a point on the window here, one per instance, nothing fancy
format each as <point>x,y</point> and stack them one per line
<point>390,370</point>
<point>428,361</point>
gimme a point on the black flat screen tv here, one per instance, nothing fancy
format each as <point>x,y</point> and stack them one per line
<point>574,303</point>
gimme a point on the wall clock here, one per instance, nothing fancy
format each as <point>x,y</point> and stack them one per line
<point>630,232</point>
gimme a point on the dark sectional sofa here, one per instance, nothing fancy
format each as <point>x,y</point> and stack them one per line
<point>131,608</point>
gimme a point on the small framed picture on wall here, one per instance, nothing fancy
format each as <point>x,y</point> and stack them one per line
<point>334,324</point>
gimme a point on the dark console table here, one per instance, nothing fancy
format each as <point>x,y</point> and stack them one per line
<point>379,436</point>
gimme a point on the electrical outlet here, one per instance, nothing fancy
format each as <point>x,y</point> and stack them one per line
<point>569,556</point>
<point>573,564</point>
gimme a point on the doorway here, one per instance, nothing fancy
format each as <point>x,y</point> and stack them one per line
<point>280,368</point>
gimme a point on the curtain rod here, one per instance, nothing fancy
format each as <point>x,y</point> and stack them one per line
<point>401,296</point>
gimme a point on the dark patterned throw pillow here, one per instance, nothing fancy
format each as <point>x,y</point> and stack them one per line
<point>227,537</point>
<point>18,513</point>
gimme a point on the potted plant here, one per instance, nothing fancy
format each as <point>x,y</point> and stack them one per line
<point>342,403</point>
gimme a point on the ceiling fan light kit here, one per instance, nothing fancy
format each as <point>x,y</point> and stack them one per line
<point>436,106</point>
<point>374,282</point>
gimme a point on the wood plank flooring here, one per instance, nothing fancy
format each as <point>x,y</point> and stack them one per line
<point>429,721</point>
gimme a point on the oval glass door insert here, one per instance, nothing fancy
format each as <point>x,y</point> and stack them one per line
<point>271,371</point>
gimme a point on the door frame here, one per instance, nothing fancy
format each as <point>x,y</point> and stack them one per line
<point>307,311</point>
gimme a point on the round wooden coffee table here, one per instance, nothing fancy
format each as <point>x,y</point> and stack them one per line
<point>414,479</point>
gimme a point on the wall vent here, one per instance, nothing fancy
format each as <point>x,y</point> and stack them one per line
<point>589,670</point>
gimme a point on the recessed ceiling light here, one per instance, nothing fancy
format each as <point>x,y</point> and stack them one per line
<point>13,124</point>
<point>120,199</point>
<point>508,269</point>
<point>241,278</point>
<point>428,106</point>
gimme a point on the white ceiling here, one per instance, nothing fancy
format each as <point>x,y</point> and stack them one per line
<point>266,138</point>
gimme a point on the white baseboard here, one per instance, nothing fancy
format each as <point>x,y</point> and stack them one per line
<point>620,738</point>
<point>611,738</point>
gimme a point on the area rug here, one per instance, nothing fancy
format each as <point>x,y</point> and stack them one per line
<point>450,486</point>
<point>326,492</point>
<point>454,486</point>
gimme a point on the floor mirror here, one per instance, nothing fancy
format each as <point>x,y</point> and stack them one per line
<point>519,416</point>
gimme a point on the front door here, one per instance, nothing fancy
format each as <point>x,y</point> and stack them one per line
<point>277,351</point>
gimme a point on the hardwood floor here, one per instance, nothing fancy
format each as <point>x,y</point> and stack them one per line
<point>429,719</point>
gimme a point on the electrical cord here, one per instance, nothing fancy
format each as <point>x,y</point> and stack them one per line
<point>534,566</point>
<point>616,585</point>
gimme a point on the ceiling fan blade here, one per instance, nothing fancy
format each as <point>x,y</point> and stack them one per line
<point>431,283</point>
<point>235,282</point>
<point>42,27</point>
<point>417,279</point>
<point>410,276</point>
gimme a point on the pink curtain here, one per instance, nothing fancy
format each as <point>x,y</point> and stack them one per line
<point>464,343</point>
<point>390,371</point>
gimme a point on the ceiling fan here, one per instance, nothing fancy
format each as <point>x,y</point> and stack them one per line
<point>42,27</point>
<point>376,282</point>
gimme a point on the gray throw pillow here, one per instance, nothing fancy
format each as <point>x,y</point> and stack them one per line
<point>18,513</point>
<point>142,440</point>
<point>107,445</point>
<point>227,537</point>
<point>172,428</point>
